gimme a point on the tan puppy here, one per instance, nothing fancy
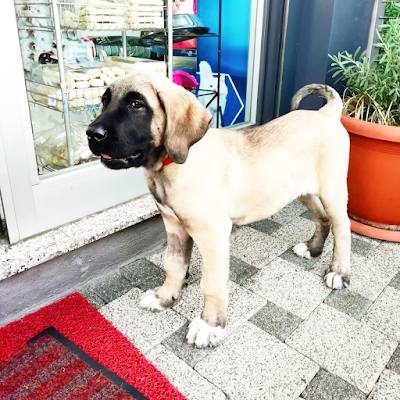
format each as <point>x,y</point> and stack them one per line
<point>220,177</point>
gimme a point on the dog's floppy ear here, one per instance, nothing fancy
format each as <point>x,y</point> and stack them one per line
<point>187,121</point>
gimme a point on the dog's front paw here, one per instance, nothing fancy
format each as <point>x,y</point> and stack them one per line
<point>302,250</point>
<point>203,335</point>
<point>336,281</point>
<point>152,302</point>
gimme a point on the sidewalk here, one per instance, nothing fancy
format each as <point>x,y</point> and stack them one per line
<point>289,336</point>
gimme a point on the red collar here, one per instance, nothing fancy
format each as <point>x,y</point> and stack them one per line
<point>166,162</point>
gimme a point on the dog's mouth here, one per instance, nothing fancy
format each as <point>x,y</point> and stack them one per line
<point>121,163</point>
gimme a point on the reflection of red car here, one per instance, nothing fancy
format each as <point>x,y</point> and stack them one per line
<point>190,44</point>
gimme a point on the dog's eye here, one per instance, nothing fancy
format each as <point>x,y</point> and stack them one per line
<point>136,104</point>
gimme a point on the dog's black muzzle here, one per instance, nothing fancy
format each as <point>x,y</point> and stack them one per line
<point>114,153</point>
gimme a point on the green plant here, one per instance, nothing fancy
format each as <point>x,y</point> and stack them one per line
<point>373,86</point>
<point>392,9</point>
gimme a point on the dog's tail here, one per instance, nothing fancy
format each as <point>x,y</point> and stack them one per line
<point>334,103</point>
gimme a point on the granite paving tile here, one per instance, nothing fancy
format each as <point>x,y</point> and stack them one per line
<point>362,246</point>
<point>384,314</point>
<point>395,282</point>
<point>369,275</point>
<point>110,286</point>
<point>195,264</point>
<point>305,263</point>
<point>387,387</point>
<point>289,287</point>
<point>266,226</point>
<point>276,321</point>
<point>326,386</point>
<point>343,346</point>
<point>393,247</point>
<point>242,304</point>
<point>299,230</point>
<point>376,242</point>
<point>191,384</point>
<point>349,302</point>
<point>394,362</point>
<point>144,274</point>
<point>189,353</point>
<point>144,329</point>
<point>292,210</point>
<point>95,301</point>
<point>324,261</point>
<point>256,248</point>
<point>308,215</point>
<point>387,253</point>
<point>252,364</point>
<point>240,271</point>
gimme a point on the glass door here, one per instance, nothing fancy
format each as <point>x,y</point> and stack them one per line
<point>48,177</point>
<point>64,54</point>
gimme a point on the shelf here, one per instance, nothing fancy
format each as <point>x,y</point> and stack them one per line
<point>71,109</point>
<point>86,33</point>
<point>36,28</point>
<point>110,18</point>
<point>67,90</point>
<point>113,19</point>
<point>158,40</point>
<point>110,32</point>
<point>37,103</point>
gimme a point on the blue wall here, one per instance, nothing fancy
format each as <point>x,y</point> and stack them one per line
<point>235,42</point>
<point>350,28</point>
<point>317,28</point>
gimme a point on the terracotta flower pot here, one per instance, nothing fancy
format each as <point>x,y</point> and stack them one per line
<point>374,179</point>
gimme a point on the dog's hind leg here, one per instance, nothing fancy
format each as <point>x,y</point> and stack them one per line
<point>213,243</point>
<point>314,247</point>
<point>335,204</point>
<point>176,263</point>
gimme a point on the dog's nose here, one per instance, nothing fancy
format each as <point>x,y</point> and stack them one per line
<point>96,132</point>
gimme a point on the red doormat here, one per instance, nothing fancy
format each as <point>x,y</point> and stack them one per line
<point>52,367</point>
<point>74,318</point>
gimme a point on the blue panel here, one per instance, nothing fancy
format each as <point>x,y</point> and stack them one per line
<point>271,57</point>
<point>350,28</point>
<point>313,46</point>
<point>291,54</point>
<point>317,28</point>
<point>235,42</point>
<point>235,35</point>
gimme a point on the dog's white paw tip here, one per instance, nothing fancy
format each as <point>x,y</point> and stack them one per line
<point>336,281</point>
<point>194,327</point>
<point>218,336</point>
<point>302,250</point>
<point>202,335</point>
<point>150,301</point>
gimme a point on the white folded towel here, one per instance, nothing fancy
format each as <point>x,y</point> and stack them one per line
<point>101,11</point>
<point>94,19</point>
